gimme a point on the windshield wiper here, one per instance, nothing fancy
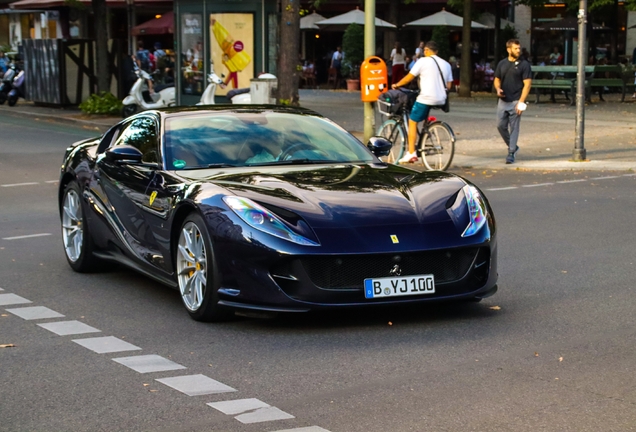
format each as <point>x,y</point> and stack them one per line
<point>221,165</point>
<point>293,162</point>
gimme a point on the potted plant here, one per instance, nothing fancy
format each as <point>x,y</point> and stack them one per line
<point>353,47</point>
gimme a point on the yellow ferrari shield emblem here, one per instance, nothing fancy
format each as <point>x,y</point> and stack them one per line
<point>394,238</point>
<point>153,195</point>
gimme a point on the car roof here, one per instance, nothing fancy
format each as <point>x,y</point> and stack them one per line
<point>233,109</point>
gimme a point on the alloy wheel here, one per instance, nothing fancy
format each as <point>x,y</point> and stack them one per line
<point>72,226</point>
<point>191,266</point>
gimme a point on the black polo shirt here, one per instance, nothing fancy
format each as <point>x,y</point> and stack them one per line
<point>512,75</point>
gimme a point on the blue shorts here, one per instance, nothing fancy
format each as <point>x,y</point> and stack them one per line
<point>419,112</point>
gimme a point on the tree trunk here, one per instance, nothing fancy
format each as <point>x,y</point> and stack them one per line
<point>100,13</point>
<point>498,49</point>
<point>288,61</point>
<point>391,36</point>
<point>466,68</point>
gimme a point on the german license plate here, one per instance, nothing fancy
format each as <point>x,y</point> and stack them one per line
<point>399,286</point>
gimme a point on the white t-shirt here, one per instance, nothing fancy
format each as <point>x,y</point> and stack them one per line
<point>336,56</point>
<point>432,91</point>
<point>398,58</point>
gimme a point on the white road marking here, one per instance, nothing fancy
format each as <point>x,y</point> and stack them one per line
<point>263,415</point>
<point>238,406</point>
<point>63,328</point>
<point>604,178</point>
<point>149,363</point>
<point>35,312</point>
<point>196,385</point>
<point>20,184</point>
<point>629,175</point>
<point>107,344</point>
<point>305,429</point>
<point>52,181</point>
<point>503,188</point>
<point>572,181</point>
<point>537,185</point>
<point>1,289</point>
<point>26,236</point>
<point>12,299</point>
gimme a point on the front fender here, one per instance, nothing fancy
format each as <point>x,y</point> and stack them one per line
<point>130,100</point>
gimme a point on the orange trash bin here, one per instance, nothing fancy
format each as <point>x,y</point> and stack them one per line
<point>374,79</point>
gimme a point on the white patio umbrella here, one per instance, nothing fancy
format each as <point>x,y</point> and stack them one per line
<point>340,22</point>
<point>309,22</point>
<point>488,20</point>
<point>442,18</point>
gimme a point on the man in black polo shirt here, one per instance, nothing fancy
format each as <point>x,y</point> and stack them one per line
<point>513,79</point>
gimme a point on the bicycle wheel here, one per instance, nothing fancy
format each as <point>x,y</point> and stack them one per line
<point>439,147</point>
<point>393,132</point>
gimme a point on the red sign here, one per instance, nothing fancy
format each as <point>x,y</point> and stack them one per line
<point>238,46</point>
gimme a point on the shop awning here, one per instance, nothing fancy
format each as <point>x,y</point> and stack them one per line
<point>566,24</point>
<point>442,18</point>
<point>47,4</point>
<point>156,26</point>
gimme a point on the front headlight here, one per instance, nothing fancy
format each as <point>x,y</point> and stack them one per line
<point>476,210</point>
<point>258,217</point>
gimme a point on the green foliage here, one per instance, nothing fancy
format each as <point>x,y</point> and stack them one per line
<point>441,34</point>
<point>102,103</point>
<point>353,48</point>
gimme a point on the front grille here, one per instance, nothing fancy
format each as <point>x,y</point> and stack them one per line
<point>349,272</point>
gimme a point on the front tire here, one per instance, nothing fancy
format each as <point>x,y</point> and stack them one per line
<point>129,110</point>
<point>78,243</point>
<point>3,98</point>
<point>392,131</point>
<point>13,100</point>
<point>197,272</point>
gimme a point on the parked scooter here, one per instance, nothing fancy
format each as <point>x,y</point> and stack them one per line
<point>7,83</point>
<point>140,99</point>
<point>236,96</point>
<point>18,89</point>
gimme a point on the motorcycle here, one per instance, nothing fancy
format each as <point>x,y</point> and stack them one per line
<point>140,98</point>
<point>18,89</point>
<point>7,83</point>
<point>236,96</point>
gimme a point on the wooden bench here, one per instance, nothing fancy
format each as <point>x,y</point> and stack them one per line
<point>558,78</point>
<point>619,77</point>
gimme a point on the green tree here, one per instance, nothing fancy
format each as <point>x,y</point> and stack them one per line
<point>353,48</point>
<point>441,35</point>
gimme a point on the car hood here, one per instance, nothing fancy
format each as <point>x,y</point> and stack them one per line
<point>343,196</point>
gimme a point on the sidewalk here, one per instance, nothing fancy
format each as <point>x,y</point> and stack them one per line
<point>546,141</point>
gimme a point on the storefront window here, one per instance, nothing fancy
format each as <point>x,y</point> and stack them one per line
<point>192,54</point>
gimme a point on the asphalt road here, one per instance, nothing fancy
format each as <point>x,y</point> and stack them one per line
<point>553,350</point>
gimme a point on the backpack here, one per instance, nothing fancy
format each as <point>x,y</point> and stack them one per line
<point>144,58</point>
<point>396,98</point>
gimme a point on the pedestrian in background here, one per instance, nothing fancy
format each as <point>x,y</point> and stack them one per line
<point>397,63</point>
<point>336,59</point>
<point>4,62</point>
<point>634,63</point>
<point>513,80</point>
<point>433,71</point>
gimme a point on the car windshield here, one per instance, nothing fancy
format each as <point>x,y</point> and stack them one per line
<point>219,140</point>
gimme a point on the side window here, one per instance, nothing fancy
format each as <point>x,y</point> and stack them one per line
<point>141,133</point>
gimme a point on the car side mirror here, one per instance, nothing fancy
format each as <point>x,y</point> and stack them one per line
<point>124,153</point>
<point>379,146</point>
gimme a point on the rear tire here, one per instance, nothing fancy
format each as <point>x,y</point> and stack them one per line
<point>13,100</point>
<point>197,272</point>
<point>3,98</point>
<point>129,110</point>
<point>439,147</point>
<point>393,132</point>
<point>78,243</point>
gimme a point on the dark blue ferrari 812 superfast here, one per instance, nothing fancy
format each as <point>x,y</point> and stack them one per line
<point>272,209</point>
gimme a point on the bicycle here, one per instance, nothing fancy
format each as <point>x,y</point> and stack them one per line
<point>435,143</point>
